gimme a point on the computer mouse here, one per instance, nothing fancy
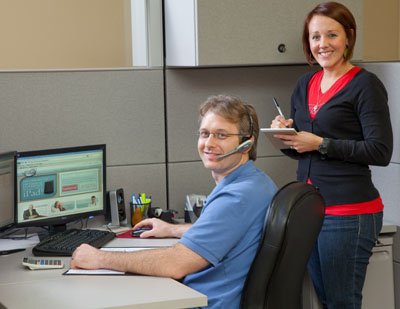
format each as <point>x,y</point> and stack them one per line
<point>139,231</point>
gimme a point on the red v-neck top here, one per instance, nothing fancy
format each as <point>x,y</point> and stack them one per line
<point>317,98</point>
<point>315,95</point>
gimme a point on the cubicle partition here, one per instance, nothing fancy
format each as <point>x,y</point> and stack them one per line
<point>149,123</point>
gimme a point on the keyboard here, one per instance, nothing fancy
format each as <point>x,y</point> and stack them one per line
<point>64,243</point>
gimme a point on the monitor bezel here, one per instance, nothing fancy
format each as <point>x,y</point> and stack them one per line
<point>11,224</point>
<point>62,220</point>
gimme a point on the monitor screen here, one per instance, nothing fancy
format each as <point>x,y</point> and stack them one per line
<point>56,186</point>
<point>7,185</point>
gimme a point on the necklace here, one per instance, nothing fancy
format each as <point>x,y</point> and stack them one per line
<point>316,106</point>
<point>320,99</point>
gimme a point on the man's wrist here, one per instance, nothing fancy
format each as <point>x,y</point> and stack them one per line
<point>180,229</point>
<point>103,258</point>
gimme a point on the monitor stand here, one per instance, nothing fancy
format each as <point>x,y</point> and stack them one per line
<point>51,230</point>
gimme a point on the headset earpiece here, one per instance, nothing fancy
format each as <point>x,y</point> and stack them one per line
<point>245,138</point>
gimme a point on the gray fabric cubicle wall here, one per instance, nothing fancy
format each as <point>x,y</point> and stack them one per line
<point>125,109</point>
<point>188,88</point>
<point>122,108</point>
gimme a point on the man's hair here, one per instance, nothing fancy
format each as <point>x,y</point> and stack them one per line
<point>342,15</point>
<point>237,112</point>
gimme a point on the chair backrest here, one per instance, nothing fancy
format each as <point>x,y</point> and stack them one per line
<point>293,222</point>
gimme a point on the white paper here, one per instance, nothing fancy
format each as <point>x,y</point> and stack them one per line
<point>9,244</point>
<point>93,272</point>
<point>278,143</point>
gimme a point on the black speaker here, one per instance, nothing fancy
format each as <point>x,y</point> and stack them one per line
<point>116,211</point>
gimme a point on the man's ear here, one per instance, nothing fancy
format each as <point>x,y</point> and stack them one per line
<point>247,150</point>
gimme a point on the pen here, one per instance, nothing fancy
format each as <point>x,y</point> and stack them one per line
<point>140,202</point>
<point>278,107</point>
<point>188,203</point>
<point>133,200</point>
<point>5,252</point>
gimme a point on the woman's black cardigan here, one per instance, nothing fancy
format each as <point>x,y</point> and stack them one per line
<point>357,122</point>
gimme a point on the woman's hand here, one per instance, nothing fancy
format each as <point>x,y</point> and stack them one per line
<point>281,122</point>
<point>301,142</point>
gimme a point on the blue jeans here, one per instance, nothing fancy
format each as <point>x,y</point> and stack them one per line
<point>339,260</point>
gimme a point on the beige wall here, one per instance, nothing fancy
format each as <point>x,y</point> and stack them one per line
<point>57,34</point>
<point>381,30</point>
<point>48,34</point>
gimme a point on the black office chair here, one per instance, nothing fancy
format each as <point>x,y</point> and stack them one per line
<point>292,224</point>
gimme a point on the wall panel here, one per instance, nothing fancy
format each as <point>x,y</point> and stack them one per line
<point>387,181</point>
<point>188,88</point>
<point>149,179</point>
<point>191,177</point>
<point>123,109</point>
<point>389,75</point>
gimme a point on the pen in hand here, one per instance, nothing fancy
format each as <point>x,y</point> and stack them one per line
<point>278,107</point>
<point>284,122</point>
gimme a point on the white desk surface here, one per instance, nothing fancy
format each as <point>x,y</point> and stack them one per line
<point>24,288</point>
<point>141,242</point>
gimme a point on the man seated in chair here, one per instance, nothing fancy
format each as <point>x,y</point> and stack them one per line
<point>213,255</point>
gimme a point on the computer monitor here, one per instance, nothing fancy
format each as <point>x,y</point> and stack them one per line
<point>7,192</point>
<point>56,186</point>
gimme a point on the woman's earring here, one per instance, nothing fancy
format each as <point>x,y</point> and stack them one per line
<point>345,53</point>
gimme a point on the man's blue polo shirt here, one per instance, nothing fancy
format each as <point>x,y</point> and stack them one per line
<point>227,234</point>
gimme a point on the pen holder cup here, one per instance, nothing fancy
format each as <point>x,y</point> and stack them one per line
<point>139,212</point>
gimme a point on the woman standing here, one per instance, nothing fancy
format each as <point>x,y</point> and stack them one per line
<point>343,123</point>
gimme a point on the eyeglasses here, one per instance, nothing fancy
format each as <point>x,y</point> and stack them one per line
<point>218,135</point>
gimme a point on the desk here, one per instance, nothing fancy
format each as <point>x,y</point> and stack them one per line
<point>23,288</point>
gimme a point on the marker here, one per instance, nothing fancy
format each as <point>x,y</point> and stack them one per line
<point>148,199</point>
<point>278,107</point>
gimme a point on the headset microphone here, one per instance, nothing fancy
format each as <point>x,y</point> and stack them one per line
<point>242,147</point>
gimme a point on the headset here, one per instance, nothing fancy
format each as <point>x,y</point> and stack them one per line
<point>246,140</point>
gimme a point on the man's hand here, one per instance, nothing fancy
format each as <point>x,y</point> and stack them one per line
<point>86,257</point>
<point>161,229</point>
